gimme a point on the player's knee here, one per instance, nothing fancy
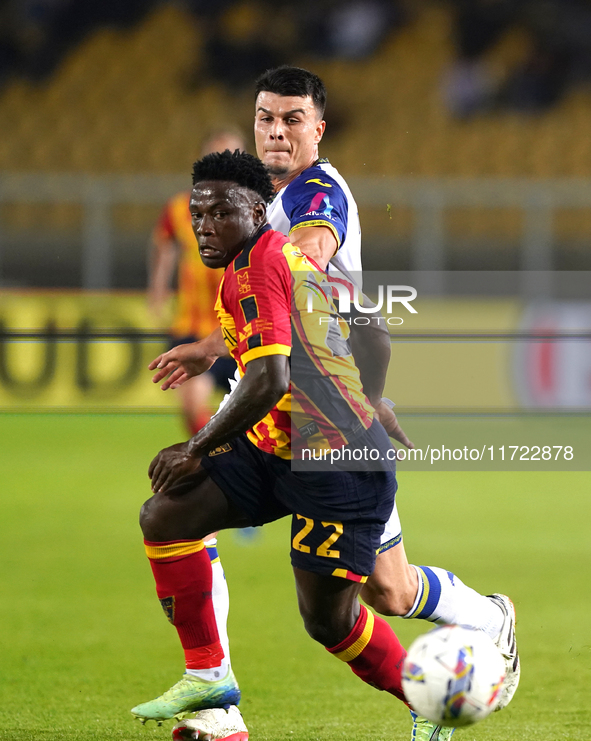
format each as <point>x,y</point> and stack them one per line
<point>389,602</point>
<point>377,600</point>
<point>328,630</point>
<point>390,605</point>
<point>319,631</point>
<point>149,519</point>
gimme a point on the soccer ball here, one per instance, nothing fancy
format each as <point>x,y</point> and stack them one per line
<point>453,675</point>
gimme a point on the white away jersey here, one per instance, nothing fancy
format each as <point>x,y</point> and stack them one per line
<point>319,196</point>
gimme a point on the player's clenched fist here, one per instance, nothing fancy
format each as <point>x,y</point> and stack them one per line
<point>170,465</point>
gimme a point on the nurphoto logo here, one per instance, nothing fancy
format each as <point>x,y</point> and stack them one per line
<point>388,295</point>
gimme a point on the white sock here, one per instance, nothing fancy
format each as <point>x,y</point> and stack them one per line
<point>213,674</point>
<point>221,605</point>
<point>220,597</point>
<point>443,598</point>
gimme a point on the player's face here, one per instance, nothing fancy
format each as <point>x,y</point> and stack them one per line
<point>287,130</point>
<point>224,216</point>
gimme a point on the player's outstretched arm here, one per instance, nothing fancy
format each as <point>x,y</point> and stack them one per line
<point>318,242</point>
<point>265,382</point>
<point>370,344</point>
<point>186,361</point>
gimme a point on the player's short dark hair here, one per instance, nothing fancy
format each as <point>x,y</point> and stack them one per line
<point>236,167</point>
<point>288,81</point>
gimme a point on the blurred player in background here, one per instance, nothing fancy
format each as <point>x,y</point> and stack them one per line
<point>174,248</point>
<point>314,206</point>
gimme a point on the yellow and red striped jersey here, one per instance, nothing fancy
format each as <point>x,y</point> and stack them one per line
<point>274,300</point>
<point>197,285</point>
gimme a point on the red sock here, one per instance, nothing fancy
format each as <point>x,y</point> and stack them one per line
<point>182,571</point>
<point>374,653</point>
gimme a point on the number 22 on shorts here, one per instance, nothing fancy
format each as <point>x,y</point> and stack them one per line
<point>324,548</point>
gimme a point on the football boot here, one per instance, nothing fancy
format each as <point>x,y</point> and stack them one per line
<point>425,730</point>
<point>507,645</point>
<point>190,694</point>
<point>212,725</point>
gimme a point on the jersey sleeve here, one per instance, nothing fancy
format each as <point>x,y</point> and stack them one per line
<point>317,200</point>
<point>262,304</point>
<point>225,319</point>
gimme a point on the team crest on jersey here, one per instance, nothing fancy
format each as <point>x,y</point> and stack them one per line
<point>168,607</point>
<point>243,282</point>
<point>225,448</point>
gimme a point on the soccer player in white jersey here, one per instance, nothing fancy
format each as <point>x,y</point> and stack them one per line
<point>315,207</point>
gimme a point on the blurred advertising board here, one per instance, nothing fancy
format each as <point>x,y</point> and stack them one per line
<point>493,355</point>
<point>550,373</point>
<point>452,355</point>
<point>78,371</point>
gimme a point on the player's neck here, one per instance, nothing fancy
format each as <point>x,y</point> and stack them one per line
<point>279,183</point>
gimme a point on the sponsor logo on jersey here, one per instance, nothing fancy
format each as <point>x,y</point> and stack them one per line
<point>319,214</point>
<point>245,333</point>
<point>309,430</point>
<point>255,327</point>
<point>261,325</point>
<point>317,180</point>
<point>225,448</point>
<point>320,200</point>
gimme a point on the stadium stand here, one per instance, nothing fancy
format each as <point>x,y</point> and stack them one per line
<point>118,103</point>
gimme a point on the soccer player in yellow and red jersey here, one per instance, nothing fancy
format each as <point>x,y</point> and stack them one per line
<point>174,247</point>
<point>237,470</point>
<point>314,205</point>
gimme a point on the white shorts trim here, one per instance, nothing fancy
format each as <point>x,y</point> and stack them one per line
<point>392,534</point>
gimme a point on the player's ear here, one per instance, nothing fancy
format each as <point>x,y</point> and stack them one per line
<point>259,213</point>
<point>320,126</point>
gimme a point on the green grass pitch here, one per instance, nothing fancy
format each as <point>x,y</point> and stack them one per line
<point>84,639</point>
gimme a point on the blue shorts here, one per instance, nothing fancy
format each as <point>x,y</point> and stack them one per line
<point>337,516</point>
<point>221,370</point>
